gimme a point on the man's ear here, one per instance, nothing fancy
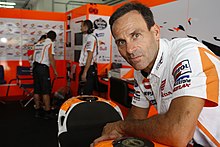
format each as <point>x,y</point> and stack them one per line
<point>156,31</point>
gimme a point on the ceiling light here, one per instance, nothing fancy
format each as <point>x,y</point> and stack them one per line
<point>7,3</point>
<point>4,6</point>
<point>4,40</point>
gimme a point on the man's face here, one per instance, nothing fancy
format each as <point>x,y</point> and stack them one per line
<point>84,28</point>
<point>137,44</point>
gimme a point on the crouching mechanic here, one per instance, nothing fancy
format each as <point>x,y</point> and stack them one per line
<point>179,77</point>
<point>43,58</point>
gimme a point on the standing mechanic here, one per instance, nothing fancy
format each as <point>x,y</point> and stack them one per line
<point>87,60</point>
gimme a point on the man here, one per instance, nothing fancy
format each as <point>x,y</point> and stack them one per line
<point>43,58</point>
<point>87,60</point>
<point>179,77</point>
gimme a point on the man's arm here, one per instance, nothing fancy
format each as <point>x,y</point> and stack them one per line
<point>137,113</point>
<point>53,64</point>
<point>174,128</point>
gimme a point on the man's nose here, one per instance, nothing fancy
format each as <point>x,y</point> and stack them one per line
<point>130,47</point>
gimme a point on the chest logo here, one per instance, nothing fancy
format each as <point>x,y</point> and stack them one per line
<point>181,68</point>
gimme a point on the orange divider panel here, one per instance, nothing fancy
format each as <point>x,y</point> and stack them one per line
<point>30,14</point>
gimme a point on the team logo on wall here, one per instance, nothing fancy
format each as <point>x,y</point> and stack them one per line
<point>100,24</point>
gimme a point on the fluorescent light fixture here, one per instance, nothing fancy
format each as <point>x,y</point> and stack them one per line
<point>3,6</point>
<point>4,40</point>
<point>8,3</point>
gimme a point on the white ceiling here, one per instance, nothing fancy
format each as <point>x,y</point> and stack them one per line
<point>25,4</point>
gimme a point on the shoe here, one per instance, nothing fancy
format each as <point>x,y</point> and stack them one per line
<point>49,115</point>
<point>38,113</point>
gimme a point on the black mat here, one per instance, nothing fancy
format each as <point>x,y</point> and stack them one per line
<point>19,127</point>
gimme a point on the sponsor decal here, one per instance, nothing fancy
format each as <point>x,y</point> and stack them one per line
<point>185,85</point>
<point>88,44</point>
<point>164,94</point>
<point>162,86</point>
<point>160,62</point>
<point>153,102</point>
<point>181,68</point>
<point>100,34</point>
<point>148,93</point>
<point>146,83</point>
<point>137,95</point>
<point>181,82</point>
<point>100,24</point>
<point>135,83</point>
<point>182,77</point>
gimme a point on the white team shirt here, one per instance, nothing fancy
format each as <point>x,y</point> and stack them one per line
<point>89,45</point>
<point>42,50</point>
<point>184,67</point>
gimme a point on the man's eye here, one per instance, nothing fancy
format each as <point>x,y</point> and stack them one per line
<point>120,43</point>
<point>136,35</point>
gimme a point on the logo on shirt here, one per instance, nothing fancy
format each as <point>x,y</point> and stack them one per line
<point>162,87</point>
<point>181,68</point>
<point>135,83</point>
<point>88,44</point>
<point>181,75</point>
<point>137,95</point>
<point>160,62</point>
<point>146,83</point>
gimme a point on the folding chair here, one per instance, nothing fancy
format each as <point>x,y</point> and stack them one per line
<point>25,82</point>
<point>2,78</point>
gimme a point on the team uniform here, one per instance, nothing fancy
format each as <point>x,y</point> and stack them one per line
<point>41,71</point>
<point>184,67</point>
<point>89,45</point>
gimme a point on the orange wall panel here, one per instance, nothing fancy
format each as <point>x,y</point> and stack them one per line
<point>10,13</point>
<point>77,12</point>
<point>30,14</point>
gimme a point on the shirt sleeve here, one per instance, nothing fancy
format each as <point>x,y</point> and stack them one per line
<point>195,74</point>
<point>53,48</point>
<point>90,43</point>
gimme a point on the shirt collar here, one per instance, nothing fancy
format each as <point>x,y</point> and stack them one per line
<point>162,57</point>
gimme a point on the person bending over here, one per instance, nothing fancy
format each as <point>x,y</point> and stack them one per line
<point>43,58</point>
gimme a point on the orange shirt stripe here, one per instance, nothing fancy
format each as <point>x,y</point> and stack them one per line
<point>212,80</point>
<point>207,133</point>
<point>44,52</point>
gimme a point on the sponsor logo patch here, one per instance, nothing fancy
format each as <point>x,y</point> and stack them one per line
<point>146,83</point>
<point>160,62</point>
<point>88,44</point>
<point>181,68</point>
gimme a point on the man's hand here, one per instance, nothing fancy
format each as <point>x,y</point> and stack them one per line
<point>111,131</point>
<point>83,77</point>
<point>55,74</point>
